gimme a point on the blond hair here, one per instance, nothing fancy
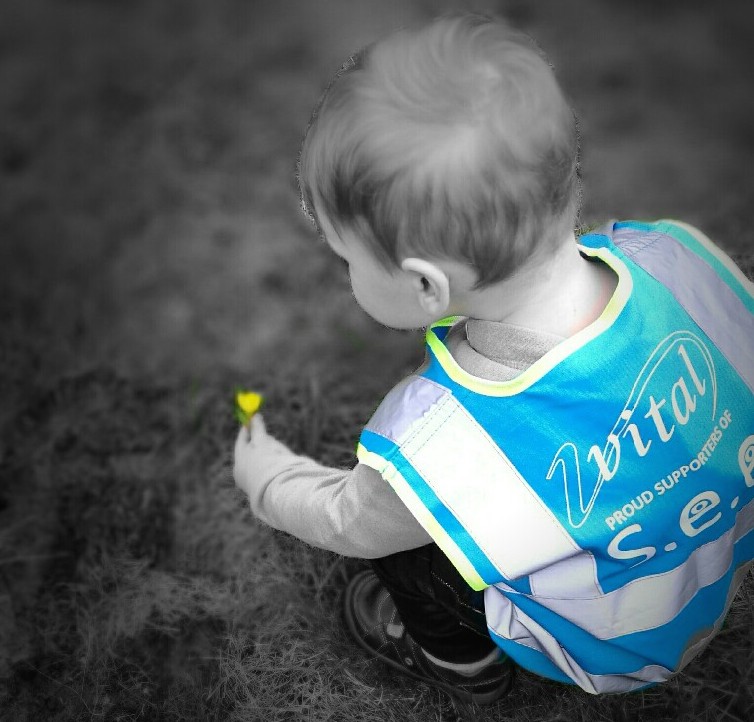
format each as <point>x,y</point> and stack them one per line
<point>450,141</point>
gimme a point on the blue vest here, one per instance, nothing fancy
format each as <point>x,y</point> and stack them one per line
<point>603,499</point>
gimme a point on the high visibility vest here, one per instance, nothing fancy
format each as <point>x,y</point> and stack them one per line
<point>604,498</point>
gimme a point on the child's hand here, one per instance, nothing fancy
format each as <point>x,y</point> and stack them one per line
<point>249,443</point>
<point>256,454</point>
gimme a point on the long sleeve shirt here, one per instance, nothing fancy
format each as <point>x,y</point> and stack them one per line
<point>356,512</point>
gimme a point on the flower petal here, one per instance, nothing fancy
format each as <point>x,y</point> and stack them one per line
<point>247,404</point>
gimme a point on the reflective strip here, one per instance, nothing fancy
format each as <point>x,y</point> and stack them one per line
<point>416,506</point>
<point>451,526</point>
<point>510,626</point>
<point>625,611</point>
<point>580,571</point>
<point>697,644</point>
<point>471,476</point>
<point>700,243</point>
<point>533,647</point>
<point>700,290</point>
<point>404,405</point>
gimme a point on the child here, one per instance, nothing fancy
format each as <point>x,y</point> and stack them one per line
<point>567,480</point>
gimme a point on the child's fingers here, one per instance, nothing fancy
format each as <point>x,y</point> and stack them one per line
<point>257,427</point>
<point>250,432</point>
<point>242,440</point>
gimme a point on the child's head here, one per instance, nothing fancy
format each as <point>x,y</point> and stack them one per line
<point>451,141</point>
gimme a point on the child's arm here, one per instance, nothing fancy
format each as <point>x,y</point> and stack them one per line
<point>354,513</point>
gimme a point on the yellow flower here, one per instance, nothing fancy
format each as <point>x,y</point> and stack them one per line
<point>247,404</point>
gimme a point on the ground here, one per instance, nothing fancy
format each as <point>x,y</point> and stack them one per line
<point>153,257</point>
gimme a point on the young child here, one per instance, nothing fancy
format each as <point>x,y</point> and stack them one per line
<point>567,480</point>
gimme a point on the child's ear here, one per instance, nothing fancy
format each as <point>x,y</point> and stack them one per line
<point>431,285</point>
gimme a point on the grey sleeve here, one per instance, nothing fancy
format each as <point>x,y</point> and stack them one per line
<point>355,513</point>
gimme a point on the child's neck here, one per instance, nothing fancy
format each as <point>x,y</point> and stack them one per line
<point>561,295</point>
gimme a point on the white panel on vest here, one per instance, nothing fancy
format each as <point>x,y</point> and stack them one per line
<point>471,475</point>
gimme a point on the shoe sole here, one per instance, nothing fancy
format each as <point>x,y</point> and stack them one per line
<point>480,699</point>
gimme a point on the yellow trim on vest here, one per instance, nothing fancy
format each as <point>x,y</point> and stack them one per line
<point>553,357</point>
<point>408,496</point>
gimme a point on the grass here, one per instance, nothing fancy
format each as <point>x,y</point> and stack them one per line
<point>141,587</point>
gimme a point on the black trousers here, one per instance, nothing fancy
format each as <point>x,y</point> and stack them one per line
<point>439,609</point>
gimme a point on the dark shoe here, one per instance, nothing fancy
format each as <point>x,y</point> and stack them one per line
<point>373,620</point>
